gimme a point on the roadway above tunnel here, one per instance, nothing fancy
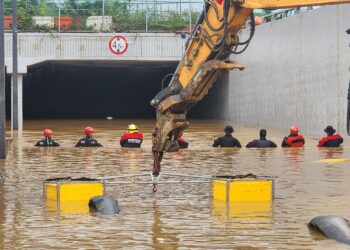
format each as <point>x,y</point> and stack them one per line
<point>35,48</point>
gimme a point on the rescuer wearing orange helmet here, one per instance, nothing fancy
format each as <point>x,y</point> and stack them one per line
<point>132,138</point>
<point>47,141</point>
<point>88,141</point>
<point>294,139</point>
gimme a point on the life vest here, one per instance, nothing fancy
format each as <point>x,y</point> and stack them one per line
<point>182,142</point>
<point>331,141</point>
<point>295,141</point>
<point>131,139</point>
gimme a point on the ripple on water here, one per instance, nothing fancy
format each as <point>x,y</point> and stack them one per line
<point>177,216</point>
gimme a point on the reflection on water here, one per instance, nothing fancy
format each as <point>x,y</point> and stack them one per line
<point>177,216</point>
<point>244,214</point>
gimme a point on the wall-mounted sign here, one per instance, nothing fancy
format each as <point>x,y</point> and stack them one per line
<point>118,45</point>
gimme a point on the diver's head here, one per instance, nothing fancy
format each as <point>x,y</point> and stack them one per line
<point>263,133</point>
<point>228,129</point>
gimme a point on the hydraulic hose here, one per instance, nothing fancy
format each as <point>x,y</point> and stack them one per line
<point>246,43</point>
<point>348,113</point>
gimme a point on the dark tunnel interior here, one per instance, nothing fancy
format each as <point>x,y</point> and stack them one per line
<point>121,89</point>
<point>94,89</point>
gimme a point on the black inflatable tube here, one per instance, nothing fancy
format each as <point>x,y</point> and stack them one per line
<point>104,205</point>
<point>333,227</point>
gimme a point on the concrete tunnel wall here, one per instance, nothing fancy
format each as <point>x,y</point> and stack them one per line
<point>297,72</point>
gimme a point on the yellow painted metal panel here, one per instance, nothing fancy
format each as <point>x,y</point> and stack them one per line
<point>73,191</point>
<point>67,207</point>
<point>258,190</point>
<point>80,191</point>
<point>243,190</point>
<point>219,190</point>
<point>51,191</point>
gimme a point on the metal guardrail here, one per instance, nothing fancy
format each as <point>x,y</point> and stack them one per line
<point>280,14</point>
<point>140,16</point>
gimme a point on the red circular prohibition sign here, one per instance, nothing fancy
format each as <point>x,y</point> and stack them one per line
<point>118,45</point>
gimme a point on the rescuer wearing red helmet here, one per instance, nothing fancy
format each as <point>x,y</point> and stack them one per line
<point>132,138</point>
<point>331,140</point>
<point>47,141</point>
<point>294,139</point>
<point>88,141</point>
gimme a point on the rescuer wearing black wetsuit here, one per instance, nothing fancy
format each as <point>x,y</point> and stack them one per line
<point>47,141</point>
<point>262,142</point>
<point>331,140</point>
<point>227,140</point>
<point>88,141</point>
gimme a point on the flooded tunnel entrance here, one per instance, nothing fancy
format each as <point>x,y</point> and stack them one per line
<point>93,89</point>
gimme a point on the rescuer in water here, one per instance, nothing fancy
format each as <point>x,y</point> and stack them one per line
<point>47,141</point>
<point>182,142</point>
<point>262,142</point>
<point>88,141</point>
<point>132,138</point>
<point>227,140</point>
<point>331,140</point>
<point>294,139</point>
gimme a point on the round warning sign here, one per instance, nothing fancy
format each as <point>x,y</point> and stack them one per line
<point>118,45</point>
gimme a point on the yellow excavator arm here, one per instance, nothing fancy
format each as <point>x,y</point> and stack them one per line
<point>206,57</point>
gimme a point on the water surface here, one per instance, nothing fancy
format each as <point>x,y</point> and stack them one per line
<point>178,216</point>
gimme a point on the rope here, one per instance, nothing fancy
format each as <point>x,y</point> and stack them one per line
<point>122,176</point>
<point>187,175</point>
<point>150,182</point>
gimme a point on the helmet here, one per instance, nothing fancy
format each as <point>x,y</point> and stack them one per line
<point>294,130</point>
<point>47,132</point>
<point>88,130</point>
<point>228,129</point>
<point>329,130</point>
<point>132,128</point>
<point>262,132</point>
<point>258,20</point>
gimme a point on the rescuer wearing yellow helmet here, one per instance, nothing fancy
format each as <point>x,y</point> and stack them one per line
<point>132,138</point>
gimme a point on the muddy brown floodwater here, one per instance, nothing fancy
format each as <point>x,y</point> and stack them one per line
<point>178,216</point>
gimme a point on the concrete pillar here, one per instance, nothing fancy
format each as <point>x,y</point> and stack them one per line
<point>17,103</point>
<point>2,85</point>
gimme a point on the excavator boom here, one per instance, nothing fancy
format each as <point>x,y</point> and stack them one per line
<point>214,38</point>
<point>276,4</point>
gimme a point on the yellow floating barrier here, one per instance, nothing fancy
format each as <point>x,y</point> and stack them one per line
<point>242,188</point>
<point>67,207</point>
<point>333,160</point>
<point>68,189</point>
<point>246,199</point>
